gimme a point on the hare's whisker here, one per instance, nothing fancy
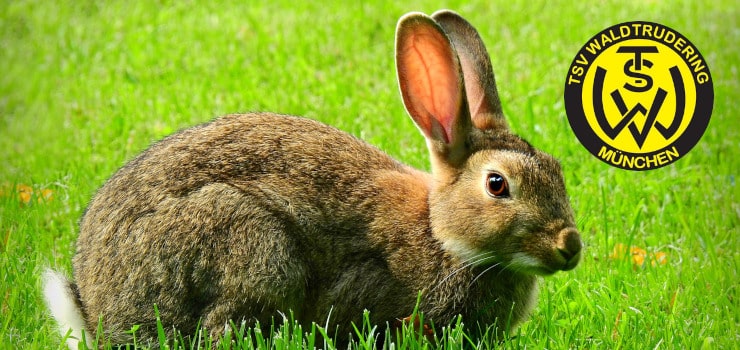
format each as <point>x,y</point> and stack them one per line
<point>466,264</point>
<point>507,267</point>
<point>483,273</point>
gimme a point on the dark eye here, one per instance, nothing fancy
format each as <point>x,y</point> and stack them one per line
<point>497,186</point>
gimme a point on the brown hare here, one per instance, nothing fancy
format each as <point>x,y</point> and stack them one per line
<point>251,215</point>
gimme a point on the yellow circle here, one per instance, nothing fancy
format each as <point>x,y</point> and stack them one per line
<point>655,66</point>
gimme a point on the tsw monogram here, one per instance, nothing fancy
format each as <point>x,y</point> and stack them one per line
<point>633,68</point>
<point>638,95</point>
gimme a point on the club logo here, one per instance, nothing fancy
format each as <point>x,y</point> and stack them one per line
<point>639,95</point>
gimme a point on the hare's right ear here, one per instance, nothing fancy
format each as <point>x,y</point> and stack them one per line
<point>480,84</point>
<point>432,87</point>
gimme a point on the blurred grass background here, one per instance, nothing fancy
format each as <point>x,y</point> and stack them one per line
<point>86,85</point>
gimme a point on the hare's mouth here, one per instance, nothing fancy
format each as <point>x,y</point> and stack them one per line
<point>525,263</point>
<point>529,264</point>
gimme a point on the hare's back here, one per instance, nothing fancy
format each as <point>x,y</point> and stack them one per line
<point>247,146</point>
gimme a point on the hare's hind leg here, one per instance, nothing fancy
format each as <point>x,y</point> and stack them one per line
<point>260,271</point>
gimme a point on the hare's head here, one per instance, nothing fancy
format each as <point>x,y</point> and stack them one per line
<point>496,199</point>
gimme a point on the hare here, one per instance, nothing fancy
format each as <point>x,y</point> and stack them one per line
<point>251,215</point>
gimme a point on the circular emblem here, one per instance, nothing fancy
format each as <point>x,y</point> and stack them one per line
<point>639,95</point>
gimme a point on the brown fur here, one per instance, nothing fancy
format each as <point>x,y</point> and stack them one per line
<point>254,214</point>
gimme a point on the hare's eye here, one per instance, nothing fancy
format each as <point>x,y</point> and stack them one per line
<point>497,186</point>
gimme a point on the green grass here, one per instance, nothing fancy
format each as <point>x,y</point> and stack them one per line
<point>86,85</point>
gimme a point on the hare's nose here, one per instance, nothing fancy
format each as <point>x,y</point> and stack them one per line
<point>569,247</point>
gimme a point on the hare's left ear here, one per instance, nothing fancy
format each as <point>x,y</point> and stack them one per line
<point>480,84</point>
<point>432,87</point>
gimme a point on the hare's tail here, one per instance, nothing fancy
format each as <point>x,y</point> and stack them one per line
<point>63,301</point>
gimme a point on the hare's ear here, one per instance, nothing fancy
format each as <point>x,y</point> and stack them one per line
<point>432,86</point>
<point>480,84</point>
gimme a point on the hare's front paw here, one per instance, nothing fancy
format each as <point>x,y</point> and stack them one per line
<point>418,328</point>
